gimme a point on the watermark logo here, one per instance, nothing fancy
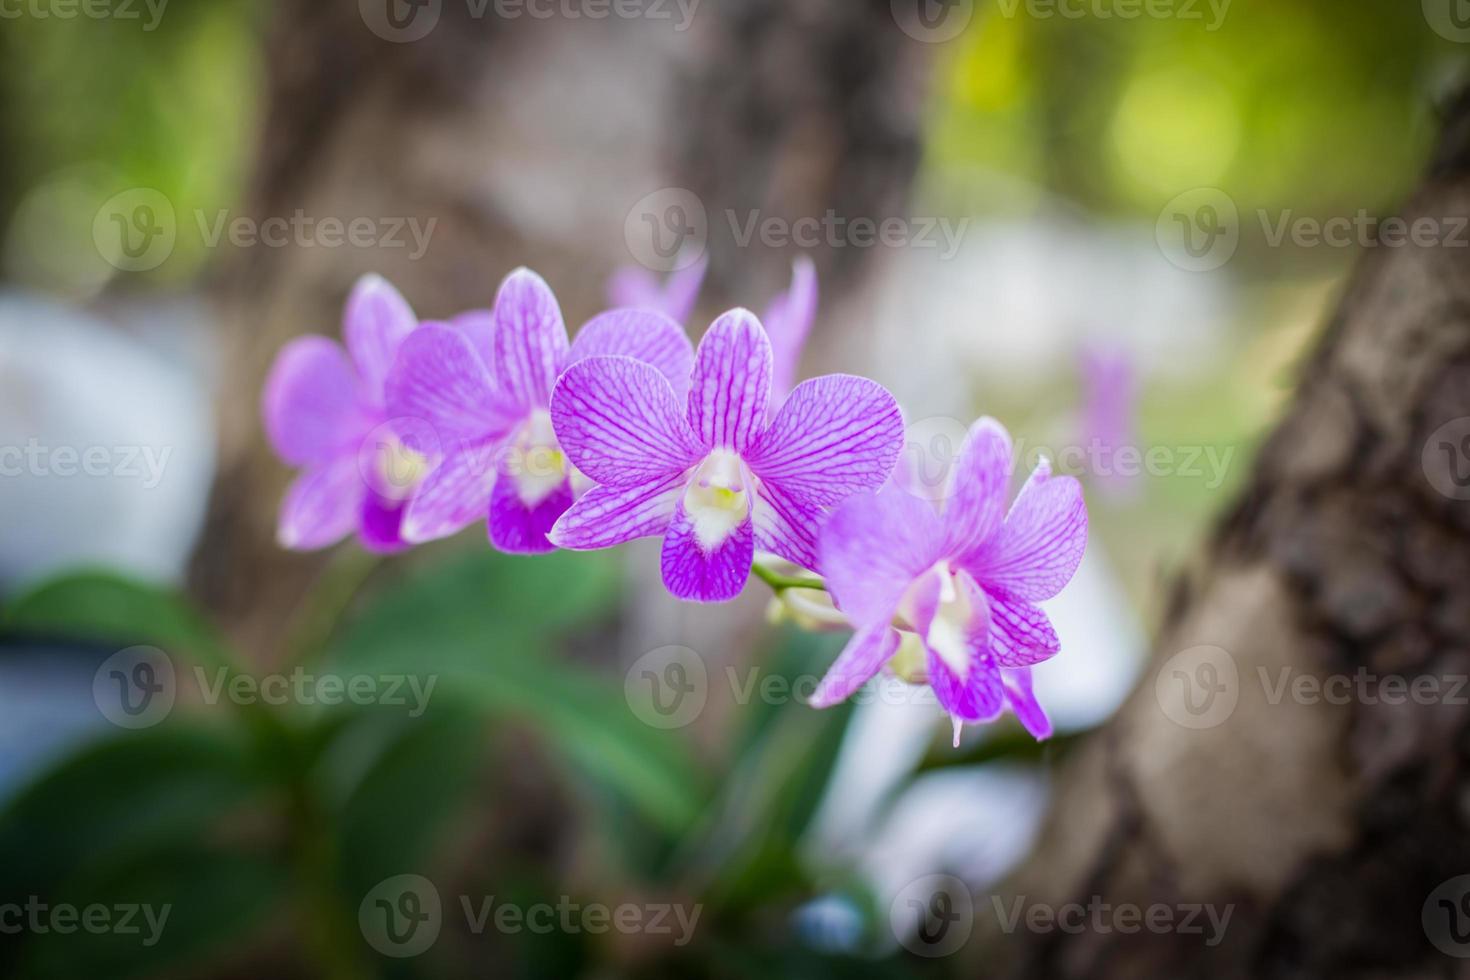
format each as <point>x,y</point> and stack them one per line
<point>402,916</point>
<point>933,916</point>
<point>87,10</point>
<point>933,21</point>
<point>135,231</point>
<point>400,21</point>
<point>667,230</point>
<point>1199,230</point>
<point>136,687</point>
<point>1446,459</point>
<point>667,688</point>
<point>1099,917</point>
<point>63,918</point>
<point>1198,688</point>
<point>1450,19</point>
<point>1446,917</point>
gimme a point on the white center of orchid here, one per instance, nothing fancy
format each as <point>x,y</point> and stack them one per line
<point>951,617</point>
<point>535,460</point>
<point>718,498</point>
<point>400,469</point>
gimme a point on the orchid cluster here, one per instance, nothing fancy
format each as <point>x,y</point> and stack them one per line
<point>417,430</point>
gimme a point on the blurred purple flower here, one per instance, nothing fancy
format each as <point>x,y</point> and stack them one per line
<point>325,413</point>
<point>483,386</point>
<point>956,590</point>
<point>636,288</point>
<point>1109,415</point>
<point>788,321</point>
<point>714,477</point>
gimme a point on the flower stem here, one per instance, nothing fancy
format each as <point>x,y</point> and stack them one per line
<point>780,583</point>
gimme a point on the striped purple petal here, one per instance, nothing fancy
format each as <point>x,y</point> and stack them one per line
<point>530,339</point>
<point>1021,699</point>
<point>440,379</point>
<point>310,407</point>
<point>872,548</point>
<point>788,321</point>
<point>1020,633</point>
<point>835,436</point>
<point>862,658</point>
<point>619,422</point>
<point>322,506</point>
<point>1038,548</point>
<point>731,387</point>
<point>609,516</point>
<point>454,494</point>
<point>717,575</point>
<point>980,483</point>
<point>519,528</point>
<point>786,527</point>
<point>376,321</point>
<point>645,335</point>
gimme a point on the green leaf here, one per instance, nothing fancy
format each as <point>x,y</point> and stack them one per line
<point>487,628</point>
<point>110,608</point>
<point>122,796</point>
<point>417,781</point>
<point>156,912</point>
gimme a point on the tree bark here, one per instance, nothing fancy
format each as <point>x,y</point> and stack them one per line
<point>1323,823</point>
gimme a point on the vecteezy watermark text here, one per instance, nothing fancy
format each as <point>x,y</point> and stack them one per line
<point>121,919</point>
<point>85,9</point>
<point>1100,917</point>
<point>38,459</point>
<point>138,229</point>
<point>402,916</point>
<point>1210,12</point>
<point>405,21</point>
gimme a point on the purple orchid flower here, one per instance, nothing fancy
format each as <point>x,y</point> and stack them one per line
<point>636,288</point>
<point>326,414</point>
<point>788,321</point>
<point>482,385</point>
<point>1110,408</point>
<point>959,589</point>
<point>714,476</point>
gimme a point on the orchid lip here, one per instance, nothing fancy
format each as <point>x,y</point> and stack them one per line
<point>948,622</point>
<point>534,459</point>
<point>719,498</point>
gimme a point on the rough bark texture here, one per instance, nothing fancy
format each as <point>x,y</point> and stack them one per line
<point>1325,826</point>
<point>529,141</point>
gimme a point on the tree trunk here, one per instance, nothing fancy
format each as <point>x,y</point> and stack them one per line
<point>1323,820</point>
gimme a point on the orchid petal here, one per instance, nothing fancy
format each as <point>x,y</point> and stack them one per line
<point>786,527</point>
<point>454,495</point>
<point>619,422</point>
<point>1038,548</point>
<point>731,387</point>
<point>609,516</point>
<point>872,548</point>
<point>980,482</point>
<point>698,575</point>
<point>644,335</point>
<point>518,528</point>
<point>440,379</point>
<point>835,436</point>
<point>862,658</point>
<point>380,524</point>
<point>1020,632</point>
<point>310,406</point>
<point>530,339</point>
<point>1021,699</point>
<point>376,321</point>
<point>322,506</point>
